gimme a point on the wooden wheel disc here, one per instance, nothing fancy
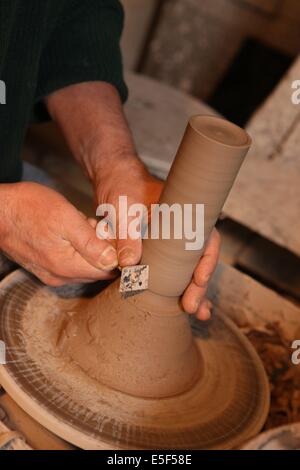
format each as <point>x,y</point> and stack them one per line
<point>227,406</point>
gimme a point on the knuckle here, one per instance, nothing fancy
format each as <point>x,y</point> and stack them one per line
<point>89,244</point>
<point>201,277</point>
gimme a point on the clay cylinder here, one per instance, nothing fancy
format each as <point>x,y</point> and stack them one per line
<point>203,172</point>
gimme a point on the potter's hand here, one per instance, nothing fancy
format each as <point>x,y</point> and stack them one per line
<point>92,120</point>
<point>193,299</point>
<point>133,181</point>
<point>140,187</point>
<point>44,233</point>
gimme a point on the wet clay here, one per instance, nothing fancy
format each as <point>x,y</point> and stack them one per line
<point>143,345</point>
<point>123,343</point>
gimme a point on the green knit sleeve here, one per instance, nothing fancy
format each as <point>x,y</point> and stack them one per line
<point>83,46</point>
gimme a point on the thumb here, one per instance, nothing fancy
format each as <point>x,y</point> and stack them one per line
<point>129,252</point>
<point>99,253</point>
<point>129,243</point>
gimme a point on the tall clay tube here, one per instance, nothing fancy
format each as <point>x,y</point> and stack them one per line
<point>203,172</point>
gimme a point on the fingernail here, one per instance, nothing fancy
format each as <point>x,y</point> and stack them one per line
<point>109,259</point>
<point>205,278</point>
<point>127,257</point>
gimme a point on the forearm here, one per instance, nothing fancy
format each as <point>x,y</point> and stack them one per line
<point>8,194</point>
<point>91,118</point>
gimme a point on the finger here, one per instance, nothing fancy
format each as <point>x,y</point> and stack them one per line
<point>76,267</point>
<point>129,252</point>
<point>50,280</point>
<point>105,232</point>
<point>209,260</point>
<point>66,281</point>
<point>204,310</point>
<point>192,297</point>
<point>58,281</point>
<point>42,274</point>
<point>98,253</point>
<point>68,265</point>
<point>129,245</point>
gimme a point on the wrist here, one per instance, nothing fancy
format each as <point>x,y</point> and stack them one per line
<point>105,165</point>
<point>91,118</point>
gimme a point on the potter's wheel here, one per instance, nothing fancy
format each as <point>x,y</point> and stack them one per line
<point>225,408</point>
<point>282,438</point>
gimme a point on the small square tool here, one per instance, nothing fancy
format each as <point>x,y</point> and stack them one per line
<point>134,279</point>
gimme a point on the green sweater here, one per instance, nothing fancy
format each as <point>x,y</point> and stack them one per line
<point>46,45</point>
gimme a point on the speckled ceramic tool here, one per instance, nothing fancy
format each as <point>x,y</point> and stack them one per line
<point>134,280</point>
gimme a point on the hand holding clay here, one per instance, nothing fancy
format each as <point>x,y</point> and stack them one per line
<point>140,187</point>
<point>101,141</point>
<point>193,300</point>
<point>45,234</point>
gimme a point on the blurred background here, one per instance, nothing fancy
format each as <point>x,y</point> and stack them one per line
<point>228,53</point>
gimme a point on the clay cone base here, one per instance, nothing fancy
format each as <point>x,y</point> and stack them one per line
<point>141,345</point>
<point>226,406</point>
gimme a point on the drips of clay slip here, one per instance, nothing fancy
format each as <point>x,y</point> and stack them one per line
<point>143,345</point>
